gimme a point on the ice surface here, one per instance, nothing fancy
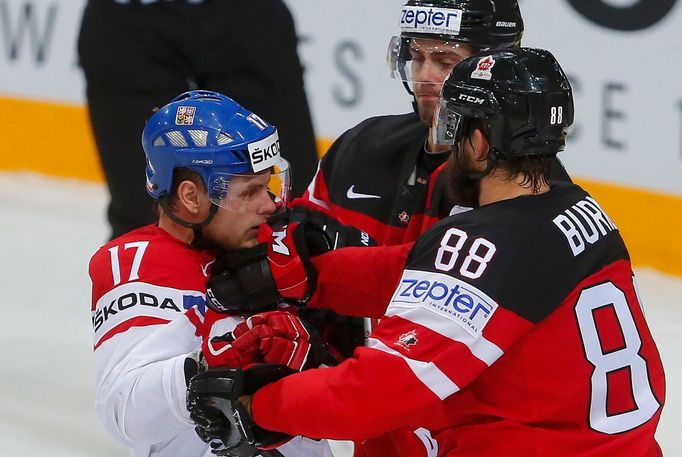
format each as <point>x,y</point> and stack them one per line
<point>49,229</point>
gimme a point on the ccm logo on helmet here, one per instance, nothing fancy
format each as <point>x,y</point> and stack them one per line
<point>447,296</point>
<point>264,153</point>
<point>431,20</point>
<point>471,99</point>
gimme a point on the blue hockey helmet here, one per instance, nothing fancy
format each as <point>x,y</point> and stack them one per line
<point>217,138</point>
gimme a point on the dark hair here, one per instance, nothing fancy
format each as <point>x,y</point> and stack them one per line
<point>180,175</point>
<point>534,169</point>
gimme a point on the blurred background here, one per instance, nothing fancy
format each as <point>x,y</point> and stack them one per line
<point>623,57</point>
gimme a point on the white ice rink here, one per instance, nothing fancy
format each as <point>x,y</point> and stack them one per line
<point>49,230</point>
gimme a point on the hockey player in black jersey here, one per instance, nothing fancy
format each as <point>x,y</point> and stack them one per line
<point>383,175</point>
<point>512,329</point>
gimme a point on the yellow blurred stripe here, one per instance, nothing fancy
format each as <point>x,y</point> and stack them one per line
<point>323,146</point>
<point>648,221</point>
<point>55,139</point>
<point>49,138</point>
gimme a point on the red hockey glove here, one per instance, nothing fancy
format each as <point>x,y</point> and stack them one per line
<point>226,350</point>
<point>276,337</point>
<point>285,339</point>
<point>255,279</point>
<point>289,249</point>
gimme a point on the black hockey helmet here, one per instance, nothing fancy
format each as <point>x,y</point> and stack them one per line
<point>481,24</point>
<point>521,98</point>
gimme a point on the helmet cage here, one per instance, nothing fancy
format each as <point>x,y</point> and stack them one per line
<point>239,191</point>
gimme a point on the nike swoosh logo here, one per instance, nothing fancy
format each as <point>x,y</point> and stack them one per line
<point>351,194</point>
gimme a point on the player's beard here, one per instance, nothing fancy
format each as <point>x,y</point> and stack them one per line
<point>426,97</point>
<point>462,190</point>
<point>426,109</point>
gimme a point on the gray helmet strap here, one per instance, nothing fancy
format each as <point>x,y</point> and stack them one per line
<point>196,228</point>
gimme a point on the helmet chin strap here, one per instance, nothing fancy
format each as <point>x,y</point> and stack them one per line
<point>197,229</point>
<point>414,99</point>
<point>407,88</point>
<point>491,161</point>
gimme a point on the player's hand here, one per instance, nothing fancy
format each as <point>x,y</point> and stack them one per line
<point>255,279</point>
<point>241,282</point>
<point>222,420</point>
<point>290,248</point>
<point>236,349</point>
<point>340,235</point>
<point>276,337</point>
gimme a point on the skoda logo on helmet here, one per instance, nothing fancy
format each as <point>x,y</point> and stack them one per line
<point>264,153</point>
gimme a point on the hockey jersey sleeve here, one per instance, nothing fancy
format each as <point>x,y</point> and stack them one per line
<point>358,281</point>
<point>141,390</point>
<point>440,332</point>
<point>431,356</point>
<point>145,313</point>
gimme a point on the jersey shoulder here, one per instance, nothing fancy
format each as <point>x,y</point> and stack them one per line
<point>388,128</point>
<point>148,254</point>
<point>375,140</point>
<point>376,156</point>
<point>527,253</point>
<point>145,278</point>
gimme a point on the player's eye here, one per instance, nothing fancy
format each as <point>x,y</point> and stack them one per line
<point>416,55</point>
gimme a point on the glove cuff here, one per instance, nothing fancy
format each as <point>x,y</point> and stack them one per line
<point>195,363</point>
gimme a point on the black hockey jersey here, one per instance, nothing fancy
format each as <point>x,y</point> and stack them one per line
<point>378,178</point>
<point>513,329</point>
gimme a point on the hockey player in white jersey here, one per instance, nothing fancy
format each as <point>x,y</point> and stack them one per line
<point>217,175</point>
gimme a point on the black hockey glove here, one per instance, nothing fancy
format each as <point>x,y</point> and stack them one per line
<point>341,334</point>
<point>255,279</point>
<point>340,235</point>
<point>222,420</point>
<point>241,282</point>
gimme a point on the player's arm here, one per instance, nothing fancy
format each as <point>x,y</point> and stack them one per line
<point>433,357</point>
<point>142,338</point>
<point>140,394</point>
<point>295,264</point>
<point>358,281</point>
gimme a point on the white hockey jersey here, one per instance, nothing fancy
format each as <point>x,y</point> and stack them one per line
<point>148,300</point>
